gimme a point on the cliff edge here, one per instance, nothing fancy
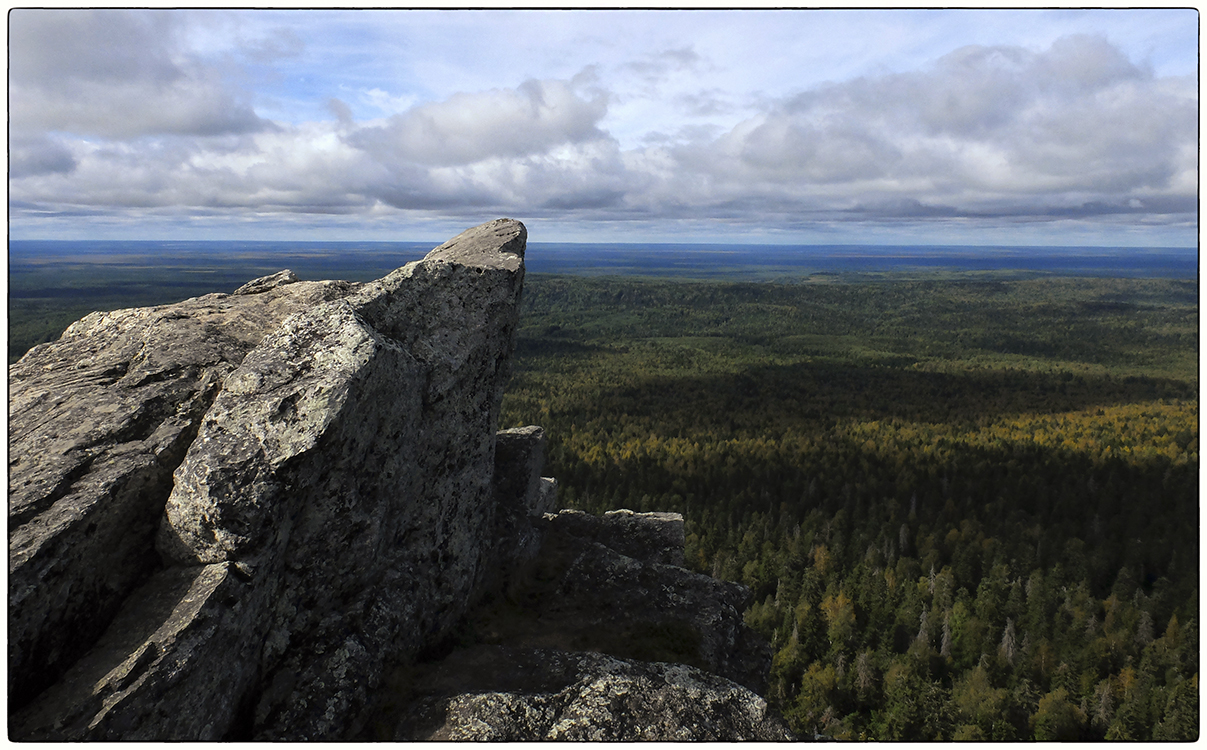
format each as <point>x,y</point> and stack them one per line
<point>259,515</point>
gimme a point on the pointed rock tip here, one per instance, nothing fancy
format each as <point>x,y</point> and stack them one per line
<point>264,283</point>
<point>495,244</point>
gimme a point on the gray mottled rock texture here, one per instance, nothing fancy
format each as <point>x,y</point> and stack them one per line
<point>328,447</point>
<point>162,671</point>
<point>261,515</point>
<point>605,590</point>
<point>538,695</point>
<point>98,421</point>
<point>522,497</point>
<point>528,695</point>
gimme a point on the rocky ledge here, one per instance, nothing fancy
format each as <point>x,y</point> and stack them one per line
<point>287,513</point>
<point>592,643</point>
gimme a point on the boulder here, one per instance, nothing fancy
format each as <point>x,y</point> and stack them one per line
<point>501,694</point>
<point>661,612</point>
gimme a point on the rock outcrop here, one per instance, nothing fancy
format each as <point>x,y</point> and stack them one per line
<point>594,644</point>
<point>98,421</point>
<point>603,583</point>
<point>235,516</point>
<point>526,695</point>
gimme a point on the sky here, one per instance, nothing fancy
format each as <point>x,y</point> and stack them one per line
<point>991,127</point>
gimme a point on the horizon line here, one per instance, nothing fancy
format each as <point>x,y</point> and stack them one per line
<point>640,243</point>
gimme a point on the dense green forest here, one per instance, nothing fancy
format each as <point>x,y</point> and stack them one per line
<point>967,508</point>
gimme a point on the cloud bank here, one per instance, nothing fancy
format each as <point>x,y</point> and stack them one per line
<point>113,113</point>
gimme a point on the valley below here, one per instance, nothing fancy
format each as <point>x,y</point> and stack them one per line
<point>966,501</point>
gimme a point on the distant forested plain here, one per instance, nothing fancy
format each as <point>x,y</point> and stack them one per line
<point>965,499</point>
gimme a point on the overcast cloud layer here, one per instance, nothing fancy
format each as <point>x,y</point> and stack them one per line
<point>1026,128</point>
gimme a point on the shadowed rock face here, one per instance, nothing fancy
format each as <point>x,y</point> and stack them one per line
<point>233,517</point>
<point>594,644</point>
<point>614,581</point>
<point>319,456</point>
<point>649,537</point>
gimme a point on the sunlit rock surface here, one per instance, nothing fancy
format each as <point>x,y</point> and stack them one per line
<point>248,516</point>
<point>98,421</point>
<point>527,695</point>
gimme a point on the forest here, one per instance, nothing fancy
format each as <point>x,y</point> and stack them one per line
<point>967,507</point>
<point>966,503</point>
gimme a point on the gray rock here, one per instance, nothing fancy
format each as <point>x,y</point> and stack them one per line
<point>580,595</point>
<point>152,675</point>
<point>603,589</point>
<point>235,517</point>
<point>355,451</point>
<point>658,612</point>
<point>522,497</point>
<point>592,644</point>
<point>98,421</point>
<point>648,537</point>
<point>264,283</point>
<point>491,693</point>
<point>519,459</point>
<point>344,469</point>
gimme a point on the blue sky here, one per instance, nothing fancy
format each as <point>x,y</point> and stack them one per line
<point>1022,127</point>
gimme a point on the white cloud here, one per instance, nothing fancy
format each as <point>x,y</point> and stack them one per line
<point>121,111</point>
<point>38,155</point>
<point>386,102</point>
<point>465,128</point>
<point>115,74</point>
<point>996,130</point>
